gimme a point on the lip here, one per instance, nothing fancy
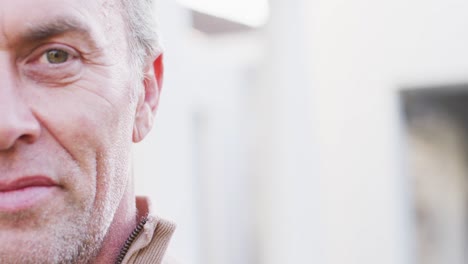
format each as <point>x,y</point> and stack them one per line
<point>25,192</point>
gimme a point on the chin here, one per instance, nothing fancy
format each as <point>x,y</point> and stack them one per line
<point>67,234</point>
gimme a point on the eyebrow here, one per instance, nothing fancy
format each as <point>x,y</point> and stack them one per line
<point>58,26</point>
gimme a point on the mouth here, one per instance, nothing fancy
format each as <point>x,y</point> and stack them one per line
<point>24,193</point>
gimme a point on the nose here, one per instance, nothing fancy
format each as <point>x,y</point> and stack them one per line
<point>17,121</point>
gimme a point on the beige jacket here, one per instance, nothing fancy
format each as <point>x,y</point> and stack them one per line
<point>150,240</point>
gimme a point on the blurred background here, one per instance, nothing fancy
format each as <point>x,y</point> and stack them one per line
<point>312,131</point>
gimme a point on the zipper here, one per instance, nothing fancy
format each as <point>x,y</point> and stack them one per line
<point>130,240</point>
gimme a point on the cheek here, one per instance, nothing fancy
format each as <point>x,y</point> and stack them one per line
<point>94,129</point>
<point>95,140</point>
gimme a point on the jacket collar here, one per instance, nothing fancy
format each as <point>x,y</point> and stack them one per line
<point>151,236</point>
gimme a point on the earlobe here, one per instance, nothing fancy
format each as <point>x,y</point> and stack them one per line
<point>149,99</point>
<point>143,123</point>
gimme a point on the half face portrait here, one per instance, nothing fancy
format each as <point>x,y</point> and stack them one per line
<point>74,97</point>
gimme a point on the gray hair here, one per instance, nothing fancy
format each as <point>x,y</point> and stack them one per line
<point>142,33</point>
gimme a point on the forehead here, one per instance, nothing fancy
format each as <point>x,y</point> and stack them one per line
<point>100,17</point>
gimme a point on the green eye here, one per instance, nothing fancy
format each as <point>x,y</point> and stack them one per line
<point>56,56</point>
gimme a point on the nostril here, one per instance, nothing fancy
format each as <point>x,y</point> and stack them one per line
<point>18,121</point>
<point>27,138</point>
<point>10,139</point>
<point>16,129</point>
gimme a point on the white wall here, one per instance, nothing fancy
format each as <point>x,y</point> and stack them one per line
<point>289,222</point>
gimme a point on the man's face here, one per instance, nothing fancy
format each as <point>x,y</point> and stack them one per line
<point>67,111</point>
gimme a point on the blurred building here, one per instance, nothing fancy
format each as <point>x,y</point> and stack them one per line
<point>324,134</point>
<point>437,130</point>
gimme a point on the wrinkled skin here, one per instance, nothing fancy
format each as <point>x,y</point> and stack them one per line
<point>69,113</point>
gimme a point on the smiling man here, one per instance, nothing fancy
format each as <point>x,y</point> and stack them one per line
<point>80,83</point>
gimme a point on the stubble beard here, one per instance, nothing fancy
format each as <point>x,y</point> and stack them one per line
<point>70,237</point>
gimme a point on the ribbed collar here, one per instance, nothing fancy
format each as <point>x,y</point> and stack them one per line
<point>151,241</point>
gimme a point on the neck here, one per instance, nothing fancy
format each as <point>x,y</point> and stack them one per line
<point>123,224</point>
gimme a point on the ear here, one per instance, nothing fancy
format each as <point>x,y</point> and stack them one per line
<point>148,99</point>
